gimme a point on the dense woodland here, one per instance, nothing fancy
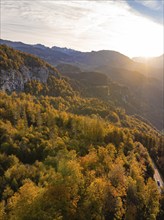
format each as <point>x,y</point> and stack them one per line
<point>112,76</point>
<point>63,156</point>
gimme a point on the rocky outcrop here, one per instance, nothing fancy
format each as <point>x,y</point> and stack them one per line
<point>14,80</point>
<point>11,81</point>
<point>15,73</point>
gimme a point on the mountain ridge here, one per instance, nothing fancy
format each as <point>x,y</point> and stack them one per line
<point>138,94</point>
<point>87,60</point>
<point>64,51</point>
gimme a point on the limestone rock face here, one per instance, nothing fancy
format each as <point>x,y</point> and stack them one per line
<point>11,81</point>
<point>17,69</point>
<point>14,80</point>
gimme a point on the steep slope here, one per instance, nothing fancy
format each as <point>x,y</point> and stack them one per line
<point>133,91</point>
<point>25,72</point>
<point>85,167</point>
<point>138,94</point>
<point>22,72</point>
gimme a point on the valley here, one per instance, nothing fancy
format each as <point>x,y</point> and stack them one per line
<point>131,85</point>
<point>66,138</point>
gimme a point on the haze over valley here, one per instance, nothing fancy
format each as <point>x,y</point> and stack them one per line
<point>131,85</point>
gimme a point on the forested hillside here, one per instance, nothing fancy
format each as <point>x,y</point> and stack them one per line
<point>57,165</point>
<point>130,90</point>
<point>64,156</point>
<point>137,87</point>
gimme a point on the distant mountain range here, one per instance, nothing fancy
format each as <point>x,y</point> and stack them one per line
<point>108,75</point>
<point>86,60</point>
<point>156,62</point>
<point>152,66</point>
<point>104,59</point>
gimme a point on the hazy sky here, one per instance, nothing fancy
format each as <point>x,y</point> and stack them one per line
<point>132,27</point>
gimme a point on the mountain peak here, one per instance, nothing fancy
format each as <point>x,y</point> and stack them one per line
<point>40,46</point>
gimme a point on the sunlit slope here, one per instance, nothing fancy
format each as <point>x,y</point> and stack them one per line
<point>130,90</point>
<point>136,93</point>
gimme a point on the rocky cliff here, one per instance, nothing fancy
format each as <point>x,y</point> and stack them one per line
<point>17,68</point>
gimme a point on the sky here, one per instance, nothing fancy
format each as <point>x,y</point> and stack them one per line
<point>132,27</point>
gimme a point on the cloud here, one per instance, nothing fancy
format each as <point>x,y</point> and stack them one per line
<point>83,25</point>
<point>153,4</point>
<point>153,9</point>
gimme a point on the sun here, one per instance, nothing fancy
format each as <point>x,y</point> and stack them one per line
<point>141,37</point>
<point>149,41</point>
